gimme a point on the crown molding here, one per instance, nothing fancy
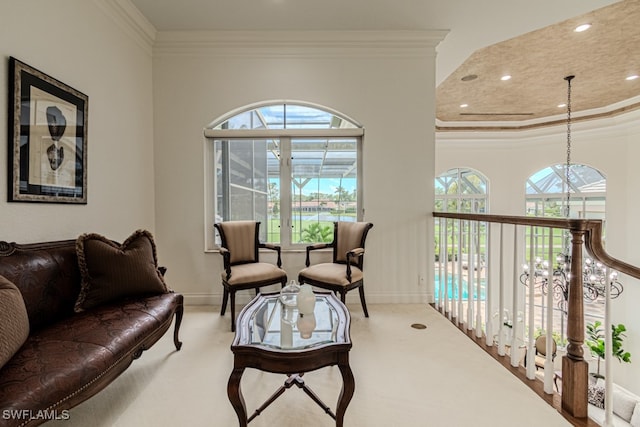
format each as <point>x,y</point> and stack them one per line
<point>299,43</point>
<point>131,21</point>
<point>619,112</point>
<point>607,125</point>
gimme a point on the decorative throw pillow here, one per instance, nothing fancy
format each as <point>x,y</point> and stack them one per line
<point>595,395</point>
<point>14,322</point>
<point>635,418</point>
<point>623,403</point>
<point>110,271</point>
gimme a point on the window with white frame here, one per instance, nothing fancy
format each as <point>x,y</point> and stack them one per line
<point>547,188</point>
<point>461,190</point>
<point>546,196</point>
<point>296,168</point>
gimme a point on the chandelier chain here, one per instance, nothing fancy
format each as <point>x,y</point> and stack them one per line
<point>595,277</point>
<point>568,166</point>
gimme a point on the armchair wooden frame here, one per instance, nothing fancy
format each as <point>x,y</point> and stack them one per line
<point>353,257</point>
<point>267,274</point>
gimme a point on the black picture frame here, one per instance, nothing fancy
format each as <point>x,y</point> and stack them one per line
<point>47,138</point>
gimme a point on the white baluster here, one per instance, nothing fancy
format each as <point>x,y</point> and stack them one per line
<point>549,370</point>
<point>531,360</point>
<point>514,302</point>
<point>501,343</point>
<point>470,259</point>
<point>478,292</point>
<point>608,346</point>
<point>460,318</point>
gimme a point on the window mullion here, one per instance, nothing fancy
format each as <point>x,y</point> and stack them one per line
<point>226,213</point>
<point>285,192</point>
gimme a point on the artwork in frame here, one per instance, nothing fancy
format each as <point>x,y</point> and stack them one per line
<point>47,138</point>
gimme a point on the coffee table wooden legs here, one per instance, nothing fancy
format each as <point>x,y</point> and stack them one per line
<point>348,387</point>
<point>237,401</point>
<point>235,396</point>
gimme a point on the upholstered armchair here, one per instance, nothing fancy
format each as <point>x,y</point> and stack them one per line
<point>345,272</point>
<point>242,268</point>
<point>540,349</point>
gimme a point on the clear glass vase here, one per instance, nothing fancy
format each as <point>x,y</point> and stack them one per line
<point>289,294</point>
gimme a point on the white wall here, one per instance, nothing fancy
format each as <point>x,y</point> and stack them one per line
<point>86,45</point>
<point>385,81</point>
<point>609,145</point>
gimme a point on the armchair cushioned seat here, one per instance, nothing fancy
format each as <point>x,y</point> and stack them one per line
<point>254,272</point>
<point>332,274</point>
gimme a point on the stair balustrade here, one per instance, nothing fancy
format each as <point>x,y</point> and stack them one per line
<point>482,287</point>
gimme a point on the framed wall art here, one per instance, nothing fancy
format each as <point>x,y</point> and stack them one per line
<point>47,138</point>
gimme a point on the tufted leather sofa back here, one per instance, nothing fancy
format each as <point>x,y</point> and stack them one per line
<point>47,275</point>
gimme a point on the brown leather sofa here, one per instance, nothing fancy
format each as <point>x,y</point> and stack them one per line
<point>69,356</point>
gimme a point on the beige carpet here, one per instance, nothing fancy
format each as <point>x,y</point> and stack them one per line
<point>405,377</point>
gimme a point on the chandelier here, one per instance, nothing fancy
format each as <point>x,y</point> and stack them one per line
<point>595,277</point>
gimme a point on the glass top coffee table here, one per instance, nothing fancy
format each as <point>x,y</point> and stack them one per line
<point>275,338</point>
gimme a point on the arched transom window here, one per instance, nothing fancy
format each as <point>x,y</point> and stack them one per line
<point>546,192</point>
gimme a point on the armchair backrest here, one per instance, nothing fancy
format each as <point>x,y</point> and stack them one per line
<point>241,239</point>
<point>541,346</point>
<point>348,236</point>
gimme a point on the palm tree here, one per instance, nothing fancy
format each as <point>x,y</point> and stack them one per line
<point>316,233</point>
<point>273,194</point>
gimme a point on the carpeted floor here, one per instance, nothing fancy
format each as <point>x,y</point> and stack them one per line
<point>405,377</point>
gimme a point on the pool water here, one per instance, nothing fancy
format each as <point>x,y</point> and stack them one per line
<point>452,291</point>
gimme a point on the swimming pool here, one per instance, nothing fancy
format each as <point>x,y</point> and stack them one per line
<point>452,291</point>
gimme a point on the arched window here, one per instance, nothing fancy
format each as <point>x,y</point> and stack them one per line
<point>461,190</point>
<point>546,195</point>
<point>546,192</point>
<point>294,167</point>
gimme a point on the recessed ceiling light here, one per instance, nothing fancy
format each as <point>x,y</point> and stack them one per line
<point>562,105</point>
<point>464,105</point>
<point>505,78</point>
<point>581,28</point>
<point>633,77</point>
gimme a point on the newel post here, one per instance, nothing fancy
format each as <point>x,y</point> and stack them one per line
<point>575,370</point>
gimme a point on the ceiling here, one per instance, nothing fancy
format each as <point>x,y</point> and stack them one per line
<point>533,41</point>
<point>600,59</point>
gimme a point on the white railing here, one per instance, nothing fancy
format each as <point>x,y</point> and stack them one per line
<point>482,286</point>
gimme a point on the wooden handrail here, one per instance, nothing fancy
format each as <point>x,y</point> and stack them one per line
<point>587,233</point>
<point>593,243</point>
<point>592,228</point>
<point>575,224</point>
